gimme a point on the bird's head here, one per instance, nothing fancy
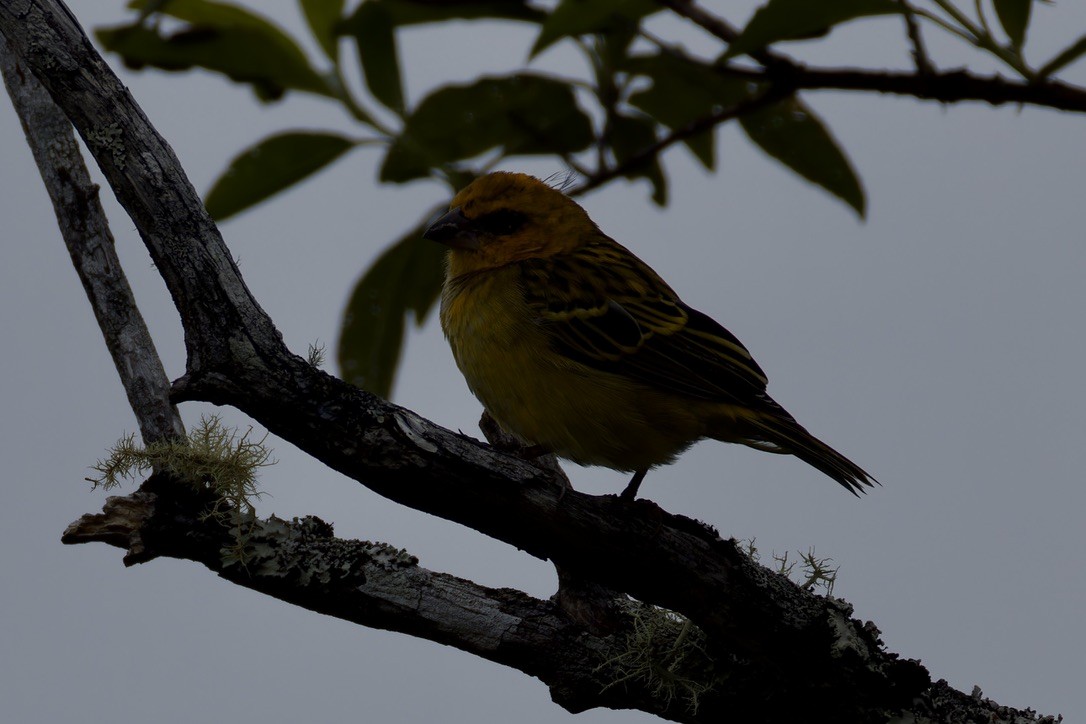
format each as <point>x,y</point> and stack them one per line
<point>503,217</point>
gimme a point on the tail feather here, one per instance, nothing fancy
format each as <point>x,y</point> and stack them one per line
<point>779,432</point>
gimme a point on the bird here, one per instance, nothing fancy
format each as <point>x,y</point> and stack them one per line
<point>576,346</point>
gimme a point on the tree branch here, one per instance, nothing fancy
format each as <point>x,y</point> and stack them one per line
<point>787,78</point>
<point>775,647</point>
<point>141,168</point>
<point>704,19</point>
<point>379,586</point>
<point>720,28</point>
<point>951,87</point>
<point>767,97</point>
<point>86,233</point>
<point>919,52</point>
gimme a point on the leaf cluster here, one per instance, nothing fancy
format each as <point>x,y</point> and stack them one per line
<point>638,95</point>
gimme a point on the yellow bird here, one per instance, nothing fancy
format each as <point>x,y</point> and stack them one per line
<point>574,344</point>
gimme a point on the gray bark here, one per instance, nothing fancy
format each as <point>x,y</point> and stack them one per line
<point>86,234</point>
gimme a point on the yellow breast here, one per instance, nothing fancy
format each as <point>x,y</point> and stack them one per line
<point>583,414</point>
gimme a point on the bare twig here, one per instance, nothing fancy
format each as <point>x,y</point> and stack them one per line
<point>920,54</point>
<point>722,29</point>
<point>699,16</point>
<point>701,125</point>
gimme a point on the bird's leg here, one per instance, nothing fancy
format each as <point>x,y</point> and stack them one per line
<point>635,482</point>
<point>507,443</point>
<point>537,454</point>
<point>532,452</point>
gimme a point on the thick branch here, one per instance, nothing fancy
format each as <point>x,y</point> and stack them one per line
<point>374,585</point>
<point>86,233</point>
<point>379,586</point>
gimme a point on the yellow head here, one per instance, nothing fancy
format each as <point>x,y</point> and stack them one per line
<point>504,217</point>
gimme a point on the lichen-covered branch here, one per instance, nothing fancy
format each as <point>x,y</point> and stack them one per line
<point>647,659</point>
<point>141,168</point>
<point>631,665</point>
<point>775,649</point>
<point>85,230</point>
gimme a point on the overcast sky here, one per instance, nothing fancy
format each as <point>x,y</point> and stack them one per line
<point>940,345</point>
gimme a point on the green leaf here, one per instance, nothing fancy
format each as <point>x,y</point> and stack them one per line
<point>580,17</point>
<point>790,132</point>
<point>406,278</point>
<point>1072,53</point>
<point>373,32</point>
<point>631,135</point>
<point>792,19</point>
<point>272,165</point>
<point>413,12</point>
<point>521,114</point>
<point>682,92</point>
<point>222,38</point>
<point>322,17</point>
<point>1014,17</point>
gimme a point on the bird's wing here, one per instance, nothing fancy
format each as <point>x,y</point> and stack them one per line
<point>605,308</point>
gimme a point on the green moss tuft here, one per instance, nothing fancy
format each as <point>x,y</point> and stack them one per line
<point>665,653</point>
<point>212,457</point>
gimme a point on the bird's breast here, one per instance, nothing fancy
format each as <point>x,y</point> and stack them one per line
<point>581,413</point>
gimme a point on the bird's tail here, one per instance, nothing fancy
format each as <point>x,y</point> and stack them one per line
<point>777,431</point>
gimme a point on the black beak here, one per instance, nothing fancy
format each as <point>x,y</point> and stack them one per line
<point>453,229</point>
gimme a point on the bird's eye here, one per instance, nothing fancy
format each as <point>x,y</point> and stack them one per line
<point>501,222</point>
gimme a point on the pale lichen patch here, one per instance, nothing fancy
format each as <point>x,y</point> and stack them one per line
<point>304,552</point>
<point>109,138</point>
<point>411,426</point>
<point>846,636</point>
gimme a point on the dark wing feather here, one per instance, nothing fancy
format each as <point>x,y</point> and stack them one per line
<point>607,309</point>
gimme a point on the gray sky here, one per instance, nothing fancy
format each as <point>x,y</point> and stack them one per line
<point>940,345</point>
